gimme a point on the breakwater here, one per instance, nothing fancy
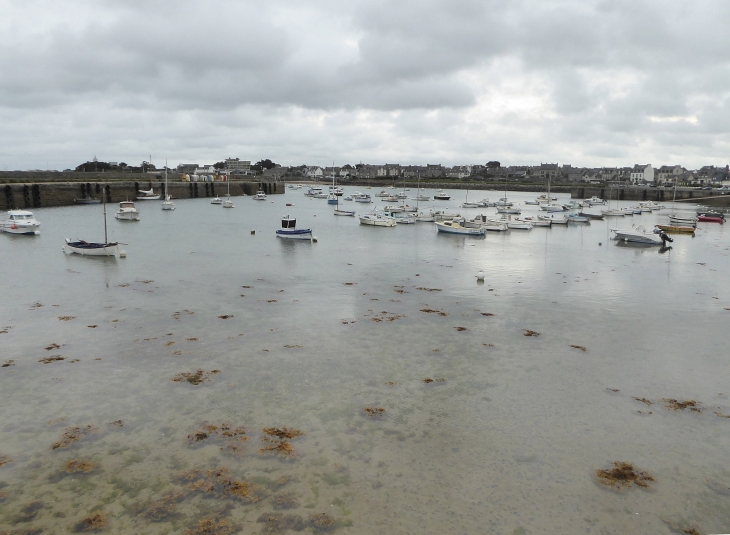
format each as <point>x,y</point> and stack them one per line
<point>665,195</point>
<point>55,193</point>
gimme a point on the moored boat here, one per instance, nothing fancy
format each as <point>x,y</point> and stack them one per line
<point>85,248</point>
<point>441,195</point>
<point>676,229</point>
<point>456,226</point>
<point>148,195</point>
<point>260,196</point>
<point>20,222</point>
<point>376,219</point>
<point>289,230</point>
<point>127,211</point>
<point>712,217</point>
<point>640,235</point>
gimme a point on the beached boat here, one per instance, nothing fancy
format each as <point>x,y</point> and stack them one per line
<point>676,229</point>
<point>20,222</point>
<point>127,211</point>
<point>640,235</point>
<point>289,230</point>
<point>377,219</point>
<point>456,226</point>
<point>712,217</point>
<point>148,195</point>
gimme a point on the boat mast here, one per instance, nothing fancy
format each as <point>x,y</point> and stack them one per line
<point>106,239</point>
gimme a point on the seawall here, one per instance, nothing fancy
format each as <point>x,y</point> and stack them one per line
<point>54,193</point>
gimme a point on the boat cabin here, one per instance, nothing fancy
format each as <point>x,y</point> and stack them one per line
<point>129,205</point>
<point>288,222</point>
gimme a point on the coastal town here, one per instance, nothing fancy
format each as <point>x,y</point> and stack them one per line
<point>638,174</point>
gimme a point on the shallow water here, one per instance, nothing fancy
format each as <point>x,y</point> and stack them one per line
<point>508,443</point>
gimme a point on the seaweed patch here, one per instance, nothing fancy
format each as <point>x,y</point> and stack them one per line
<point>194,378</point>
<point>528,332</point>
<point>220,483</point>
<point>229,436</point>
<point>83,467</point>
<point>72,435</point>
<point>93,522</point>
<point>374,412</point>
<point>622,476</point>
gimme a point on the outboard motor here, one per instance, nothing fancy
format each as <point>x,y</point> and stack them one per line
<point>665,238</point>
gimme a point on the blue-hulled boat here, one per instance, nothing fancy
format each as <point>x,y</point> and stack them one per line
<point>289,230</point>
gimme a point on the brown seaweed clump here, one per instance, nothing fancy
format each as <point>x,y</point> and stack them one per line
<point>117,423</point>
<point>225,316</point>
<point>528,332</point>
<point>692,405</point>
<point>164,508</point>
<point>231,437</point>
<point>428,380</point>
<point>73,434</point>
<point>66,318</point>
<point>622,475</point>
<point>386,316</point>
<point>52,346</point>
<point>4,459</point>
<point>578,347</point>
<point>679,527</point>
<point>93,522</point>
<point>460,328</point>
<point>428,289</point>
<point>432,311</point>
<point>52,358</point>
<point>220,483</point>
<point>8,363</point>
<point>213,526</point>
<point>322,522</point>
<point>194,378</point>
<point>374,412</point>
<point>279,522</point>
<point>643,400</point>
<point>277,441</point>
<point>79,466</point>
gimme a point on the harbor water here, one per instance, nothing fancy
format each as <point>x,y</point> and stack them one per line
<point>500,400</point>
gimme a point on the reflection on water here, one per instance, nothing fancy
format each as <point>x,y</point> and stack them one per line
<point>290,337</point>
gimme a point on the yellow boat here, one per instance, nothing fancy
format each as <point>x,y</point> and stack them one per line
<point>674,229</point>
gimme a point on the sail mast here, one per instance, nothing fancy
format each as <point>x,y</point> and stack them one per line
<point>106,239</point>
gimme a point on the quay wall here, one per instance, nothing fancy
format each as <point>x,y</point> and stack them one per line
<point>46,194</point>
<point>664,195</point>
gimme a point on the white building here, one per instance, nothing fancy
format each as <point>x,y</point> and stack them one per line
<point>642,173</point>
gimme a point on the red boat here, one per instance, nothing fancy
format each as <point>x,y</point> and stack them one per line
<point>713,217</point>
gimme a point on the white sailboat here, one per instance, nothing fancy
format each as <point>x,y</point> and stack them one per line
<point>228,203</point>
<point>167,204</point>
<point>85,248</point>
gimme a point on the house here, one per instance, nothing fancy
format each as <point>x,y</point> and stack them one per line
<point>641,174</point>
<point>710,174</point>
<point>668,173</point>
<point>347,171</point>
<point>545,171</point>
<point>434,170</point>
<point>315,172</point>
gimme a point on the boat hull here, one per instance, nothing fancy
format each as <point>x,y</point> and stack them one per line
<point>446,228</point>
<point>646,238</point>
<point>377,221</point>
<point>127,216</point>
<point>345,213</point>
<point>303,234</point>
<point>676,229</point>
<point>149,198</point>
<point>91,249</point>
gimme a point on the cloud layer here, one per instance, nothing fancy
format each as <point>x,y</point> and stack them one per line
<point>461,81</point>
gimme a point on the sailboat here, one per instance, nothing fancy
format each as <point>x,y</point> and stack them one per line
<point>85,248</point>
<point>548,205</point>
<point>468,204</point>
<point>332,198</point>
<point>167,204</point>
<point>337,211</point>
<point>613,211</point>
<point>228,203</point>
<point>678,223</point>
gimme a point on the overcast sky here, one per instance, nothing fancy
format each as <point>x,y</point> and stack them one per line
<point>583,82</point>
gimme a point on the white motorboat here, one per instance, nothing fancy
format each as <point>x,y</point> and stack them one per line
<point>683,221</point>
<point>471,205</point>
<point>216,200</point>
<point>363,198</point>
<point>148,195</point>
<point>377,219</point>
<point>517,224</point>
<point>503,203</point>
<point>347,198</point>
<point>321,195</point>
<point>20,222</point>
<point>382,193</point>
<point>456,226</point>
<point>554,219</point>
<point>400,208</point>
<point>572,205</point>
<point>508,210</point>
<point>593,200</point>
<point>344,212</point>
<point>613,212</point>
<point>575,218</point>
<point>127,211</point>
<point>421,198</point>
<point>640,235</point>
<point>443,215</point>
<point>544,198</point>
<point>402,217</point>
<point>650,206</point>
<point>390,198</point>
<point>260,196</point>
<point>536,222</point>
<point>534,203</point>
<point>167,204</point>
<point>441,195</point>
<point>289,230</point>
<point>486,203</point>
<point>312,191</point>
<point>425,217</point>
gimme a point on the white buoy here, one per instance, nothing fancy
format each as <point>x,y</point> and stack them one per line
<point>122,254</point>
<point>314,239</point>
<point>480,275</point>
